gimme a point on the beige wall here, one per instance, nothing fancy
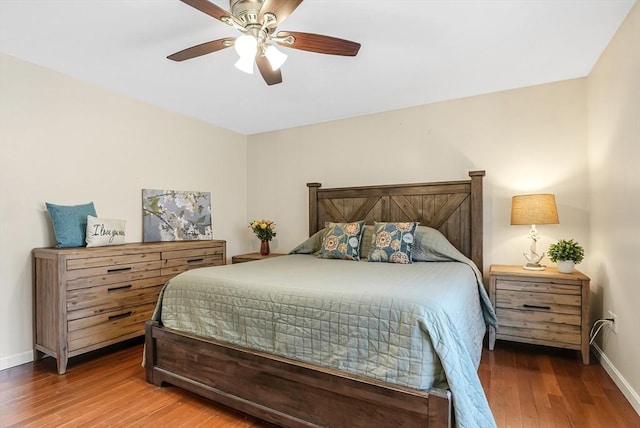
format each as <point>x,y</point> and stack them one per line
<point>528,140</point>
<point>614,158</point>
<point>68,142</point>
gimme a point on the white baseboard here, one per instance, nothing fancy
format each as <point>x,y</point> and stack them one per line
<point>16,360</point>
<point>627,390</point>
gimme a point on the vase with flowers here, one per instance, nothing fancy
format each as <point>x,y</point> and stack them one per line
<point>265,230</point>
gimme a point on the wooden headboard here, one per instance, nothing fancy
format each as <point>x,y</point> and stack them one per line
<point>452,207</point>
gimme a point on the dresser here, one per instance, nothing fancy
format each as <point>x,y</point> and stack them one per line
<point>89,298</point>
<point>540,307</point>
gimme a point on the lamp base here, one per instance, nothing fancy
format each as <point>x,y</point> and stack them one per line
<point>533,266</point>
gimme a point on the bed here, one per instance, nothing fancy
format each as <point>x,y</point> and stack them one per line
<point>419,366</point>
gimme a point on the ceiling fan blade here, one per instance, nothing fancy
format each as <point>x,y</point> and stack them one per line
<point>201,49</point>
<point>280,8</point>
<point>320,44</point>
<point>269,76</point>
<point>208,8</point>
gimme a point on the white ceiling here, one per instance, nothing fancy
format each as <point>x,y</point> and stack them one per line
<point>413,52</point>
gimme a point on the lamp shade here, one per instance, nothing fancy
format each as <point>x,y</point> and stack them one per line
<point>534,209</point>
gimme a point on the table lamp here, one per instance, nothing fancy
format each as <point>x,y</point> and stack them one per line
<point>532,210</point>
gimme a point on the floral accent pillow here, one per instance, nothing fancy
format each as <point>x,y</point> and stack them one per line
<point>342,241</point>
<point>392,242</point>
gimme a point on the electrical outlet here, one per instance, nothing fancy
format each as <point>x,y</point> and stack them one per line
<point>614,325</point>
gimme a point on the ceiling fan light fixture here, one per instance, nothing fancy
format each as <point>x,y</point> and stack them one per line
<point>245,63</point>
<point>275,57</point>
<point>246,46</point>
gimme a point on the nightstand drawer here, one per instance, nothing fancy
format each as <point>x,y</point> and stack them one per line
<point>547,326</point>
<point>525,301</point>
<point>549,286</point>
<point>541,337</point>
<point>510,316</point>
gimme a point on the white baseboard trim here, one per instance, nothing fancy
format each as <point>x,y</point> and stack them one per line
<point>627,390</point>
<point>16,360</point>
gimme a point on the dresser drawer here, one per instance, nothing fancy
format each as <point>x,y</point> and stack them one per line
<point>92,331</point>
<point>110,273</point>
<point>111,261</point>
<point>192,253</point>
<point>112,278</point>
<point>175,262</point>
<point>178,266</point>
<point>86,302</point>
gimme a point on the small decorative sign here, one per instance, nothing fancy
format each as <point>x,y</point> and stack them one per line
<point>102,231</point>
<point>175,215</point>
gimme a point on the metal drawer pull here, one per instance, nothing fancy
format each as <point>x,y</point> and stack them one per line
<point>117,317</point>
<point>124,287</point>
<point>536,307</point>
<point>195,260</point>
<point>124,269</point>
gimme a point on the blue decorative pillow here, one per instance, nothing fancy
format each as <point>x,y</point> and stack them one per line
<point>70,223</point>
<point>392,242</point>
<point>342,241</point>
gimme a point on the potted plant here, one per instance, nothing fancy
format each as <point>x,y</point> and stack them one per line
<point>567,253</point>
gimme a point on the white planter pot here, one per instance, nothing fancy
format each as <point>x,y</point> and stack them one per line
<point>566,266</point>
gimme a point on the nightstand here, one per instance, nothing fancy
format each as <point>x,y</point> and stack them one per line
<point>242,258</point>
<point>540,307</point>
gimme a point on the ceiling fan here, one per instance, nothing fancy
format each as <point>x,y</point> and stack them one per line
<point>258,20</point>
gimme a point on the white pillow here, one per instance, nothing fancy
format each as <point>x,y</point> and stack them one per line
<point>103,231</point>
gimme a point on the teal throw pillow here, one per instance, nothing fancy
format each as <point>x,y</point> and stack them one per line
<point>70,223</point>
<point>392,242</point>
<point>342,241</point>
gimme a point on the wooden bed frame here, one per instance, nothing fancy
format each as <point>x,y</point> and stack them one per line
<point>294,394</point>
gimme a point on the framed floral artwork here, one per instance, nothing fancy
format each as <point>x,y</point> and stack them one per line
<point>176,215</point>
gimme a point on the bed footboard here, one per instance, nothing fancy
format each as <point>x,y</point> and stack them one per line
<point>286,392</point>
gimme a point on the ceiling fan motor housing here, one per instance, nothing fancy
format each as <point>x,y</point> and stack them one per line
<point>246,10</point>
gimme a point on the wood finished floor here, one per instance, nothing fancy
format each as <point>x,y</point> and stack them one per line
<point>526,387</point>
